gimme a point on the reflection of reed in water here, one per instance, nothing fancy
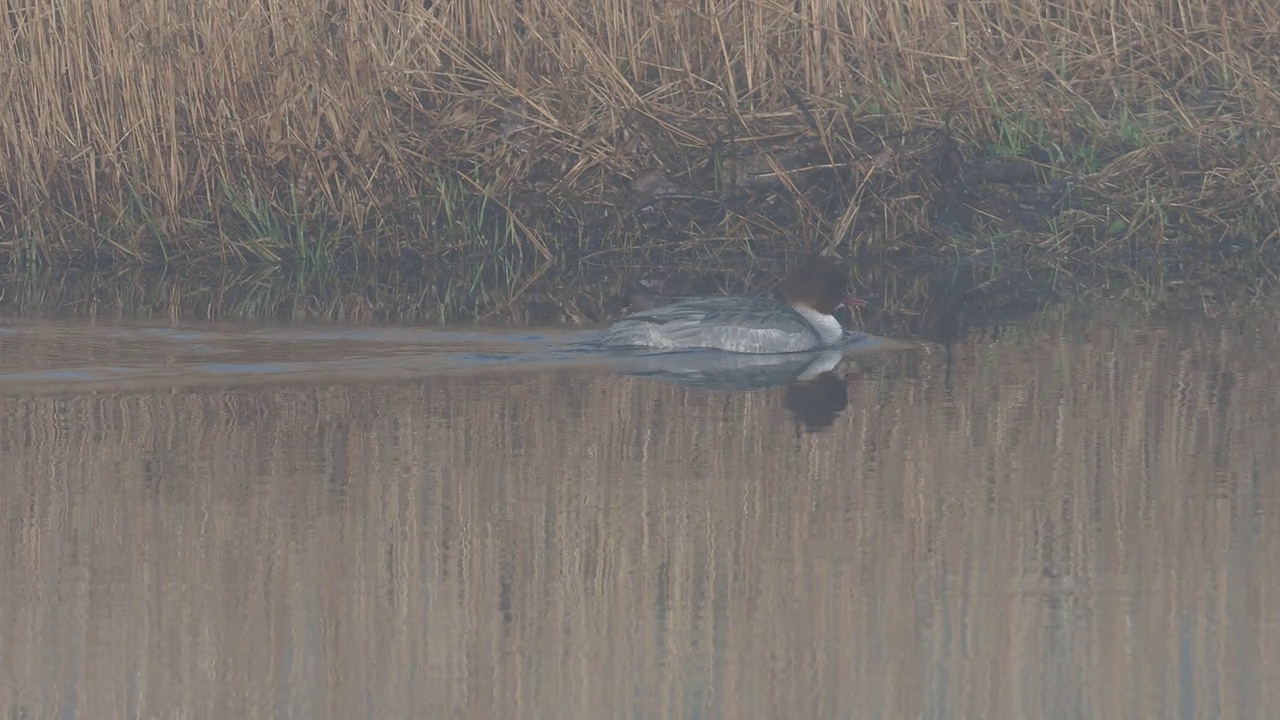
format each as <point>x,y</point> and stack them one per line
<point>1080,522</point>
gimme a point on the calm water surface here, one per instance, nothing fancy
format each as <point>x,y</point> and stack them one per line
<point>1076,518</point>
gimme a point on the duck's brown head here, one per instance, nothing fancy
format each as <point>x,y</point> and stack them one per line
<point>819,284</point>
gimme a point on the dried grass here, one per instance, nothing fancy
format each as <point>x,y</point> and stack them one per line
<point>166,129</point>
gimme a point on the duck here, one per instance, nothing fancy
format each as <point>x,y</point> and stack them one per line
<point>803,321</point>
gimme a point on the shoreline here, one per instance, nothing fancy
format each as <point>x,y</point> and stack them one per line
<point>910,295</point>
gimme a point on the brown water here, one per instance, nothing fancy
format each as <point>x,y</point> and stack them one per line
<point>1070,520</point>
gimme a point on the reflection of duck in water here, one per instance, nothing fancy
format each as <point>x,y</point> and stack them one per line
<point>815,395</point>
<point>714,370</point>
<point>815,403</point>
<point>744,324</point>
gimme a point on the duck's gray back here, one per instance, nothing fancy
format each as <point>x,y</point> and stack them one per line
<point>731,322</point>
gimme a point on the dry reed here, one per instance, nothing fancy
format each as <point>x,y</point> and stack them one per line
<point>319,131</point>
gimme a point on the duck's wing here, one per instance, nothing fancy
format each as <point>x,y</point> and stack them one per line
<point>736,323</point>
<point>750,313</point>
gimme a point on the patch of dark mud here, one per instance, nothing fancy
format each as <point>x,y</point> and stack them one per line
<point>772,189</point>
